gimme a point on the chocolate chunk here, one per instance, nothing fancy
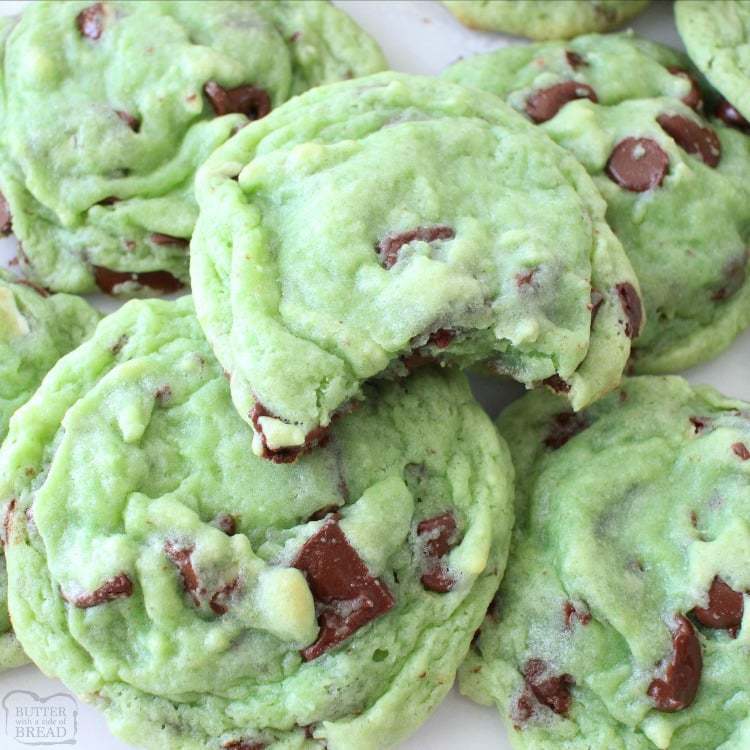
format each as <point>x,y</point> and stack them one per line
<point>244,745</point>
<point>8,521</point>
<point>416,360</point>
<point>700,423</point>
<point>181,557</point>
<point>637,164</point>
<point>631,304</point>
<point>693,138</point>
<point>441,338</point>
<point>557,384</point>
<point>90,21</point>
<point>741,450</point>
<point>677,687</point>
<point>388,248</point>
<point>570,613</point>
<point>734,278</point>
<point>523,708</point>
<point>226,523</point>
<point>315,438</point>
<point>552,691</point>
<point>694,97</point>
<point>132,122</point>
<point>218,600</point>
<point>725,607</point>
<point>729,115</point>
<point>526,278</point>
<point>544,104</point>
<point>347,596</point>
<point>6,221</point>
<point>163,281</point>
<point>565,426</point>
<point>119,587</point>
<point>574,59</point>
<point>321,513</point>
<point>251,101</point>
<point>167,239</point>
<point>437,536</point>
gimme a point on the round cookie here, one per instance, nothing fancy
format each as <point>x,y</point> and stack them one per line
<point>675,184</point>
<point>109,108</point>
<point>621,622</point>
<point>35,331</point>
<point>716,36</point>
<point>545,19</point>
<point>371,226</point>
<point>206,599</point>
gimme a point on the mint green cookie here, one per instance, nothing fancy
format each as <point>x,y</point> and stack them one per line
<point>206,599</point>
<point>621,622</point>
<point>109,108</point>
<point>35,331</point>
<point>717,37</point>
<point>675,184</point>
<point>545,19</point>
<point>368,227</point>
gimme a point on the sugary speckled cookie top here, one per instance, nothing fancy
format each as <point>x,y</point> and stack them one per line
<point>621,622</point>
<point>369,227</point>
<point>717,37</point>
<point>675,182</point>
<point>545,19</point>
<point>207,599</point>
<point>109,108</point>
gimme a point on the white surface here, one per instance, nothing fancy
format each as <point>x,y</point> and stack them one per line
<point>418,37</point>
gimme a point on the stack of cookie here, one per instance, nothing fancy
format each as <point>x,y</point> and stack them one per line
<point>271,515</point>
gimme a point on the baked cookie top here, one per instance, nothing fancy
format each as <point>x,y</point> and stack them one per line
<point>621,620</point>
<point>109,108</point>
<point>204,598</point>
<point>367,227</point>
<point>674,180</point>
<point>545,19</point>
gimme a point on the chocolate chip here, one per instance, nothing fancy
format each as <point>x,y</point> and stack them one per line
<point>119,587</point>
<point>729,115</point>
<point>244,745</point>
<point>677,687</point>
<point>321,513</point>
<point>693,138</point>
<point>694,97</point>
<point>565,426</point>
<point>251,101</point>
<point>552,691</point>
<point>725,607</point>
<point>441,338</point>
<point>317,437</point>
<point>389,247</point>
<point>523,708</point>
<point>163,281</point>
<point>574,59</point>
<point>6,221</point>
<point>167,239</point>
<point>8,521</point>
<point>218,600</point>
<point>637,164</point>
<point>557,384</point>
<point>90,21</point>
<point>544,104</point>
<point>526,278</point>
<point>734,278</point>
<point>226,523</point>
<point>700,423</point>
<point>440,533</point>
<point>347,596</point>
<point>570,613</point>
<point>597,300</point>
<point>182,558</point>
<point>132,122</point>
<point>741,450</point>
<point>631,305</point>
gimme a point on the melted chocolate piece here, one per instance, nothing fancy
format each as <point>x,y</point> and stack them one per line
<point>574,59</point>
<point>741,450</point>
<point>631,304</point>
<point>163,281</point>
<point>552,691</point>
<point>6,220</point>
<point>347,596</point>
<point>694,97</point>
<point>244,745</point>
<point>318,436</point>
<point>226,523</point>
<point>699,424</point>
<point>526,278</point>
<point>570,613</point>
<point>181,557</point>
<point>167,239</point>
<point>441,531</point>
<point>637,164</point>
<point>119,587</point>
<point>523,708</point>
<point>8,521</point>
<point>544,104</point>
<point>693,138</point>
<point>734,279</point>
<point>321,513</point>
<point>725,607</point>
<point>90,21</point>
<point>557,384</point>
<point>730,116</point>
<point>597,300</point>
<point>676,689</point>
<point>441,338</point>
<point>218,601</point>
<point>388,248</point>
<point>565,426</point>
<point>251,101</point>
<point>132,122</point>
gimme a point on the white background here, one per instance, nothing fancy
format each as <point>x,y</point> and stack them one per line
<point>418,37</point>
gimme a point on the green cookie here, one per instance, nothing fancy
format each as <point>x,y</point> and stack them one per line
<point>109,108</point>
<point>35,331</point>
<point>368,227</point>
<point>545,19</point>
<point>675,186</point>
<point>717,37</point>
<point>619,624</point>
<point>206,599</point>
